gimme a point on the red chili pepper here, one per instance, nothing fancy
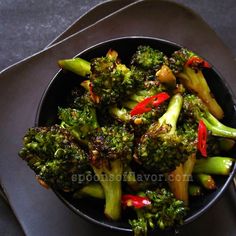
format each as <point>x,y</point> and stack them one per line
<point>202,138</point>
<point>194,60</point>
<point>135,201</point>
<point>148,103</point>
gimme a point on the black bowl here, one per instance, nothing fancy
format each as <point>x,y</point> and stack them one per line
<point>59,90</point>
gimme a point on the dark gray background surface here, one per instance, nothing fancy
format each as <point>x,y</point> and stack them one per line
<point>27,26</point>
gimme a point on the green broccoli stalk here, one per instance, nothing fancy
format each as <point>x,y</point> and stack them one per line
<point>161,148</point>
<point>195,109</point>
<point>78,66</point>
<point>93,190</point>
<point>206,181</point>
<point>52,152</point>
<point>178,179</point>
<point>188,68</point>
<point>154,209</point>
<point>110,149</point>
<point>214,166</point>
<point>121,114</point>
<point>80,120</point>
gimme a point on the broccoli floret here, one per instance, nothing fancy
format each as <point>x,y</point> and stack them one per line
<point>144,64</point>
<point>139,226</point>
<point>195,109</point>
<point>178,59</point>
<point>164,212</point>
<point>80,120</point>
<point>148,58</point>
<point>54,155</point>
<point>188,68</point>
<point>140,76</point>
<point>110,149</point>
<point>110,80</point>
<point>161,148</point>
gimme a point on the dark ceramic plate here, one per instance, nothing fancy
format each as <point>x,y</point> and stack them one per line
<point>39,211</point>
<point>60,88</point>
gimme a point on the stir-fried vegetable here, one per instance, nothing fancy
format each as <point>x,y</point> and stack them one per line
<point>154,116</point>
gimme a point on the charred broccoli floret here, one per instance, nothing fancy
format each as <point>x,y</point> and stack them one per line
<point>110,149</point>
<point>144,64</point>
<point>110,80</point>
<point>161,148</point>
<point>179,58</point>
<point>52,152</point>
<point>188,68</point>
<point>148,58</point>
<point>164,211</point>
<point>80,120</point>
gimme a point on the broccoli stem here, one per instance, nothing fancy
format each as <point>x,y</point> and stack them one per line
<point>178,185</point>
<point>78,66</point>
<point>139,96</point>
<point>130,179</point>
<point>217,128</point>
<point>171,115</point>
<point>136,98</point>
<point>206,181</point>
<point>214,165</point>
<point>179,179</point>
<point>110,179</point>
<point>120,113</point>
<point>94,190</point>
<point>195,81</point>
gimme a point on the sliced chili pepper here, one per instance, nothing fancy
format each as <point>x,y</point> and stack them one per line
<point>129,200</point>
<point>195,61</point>
<point>202,138</point>
<point>148,103</point>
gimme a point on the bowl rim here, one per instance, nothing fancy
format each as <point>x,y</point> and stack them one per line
<point>188,220</point>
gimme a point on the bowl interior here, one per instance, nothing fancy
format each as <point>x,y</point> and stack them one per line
<point>59,90</point>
